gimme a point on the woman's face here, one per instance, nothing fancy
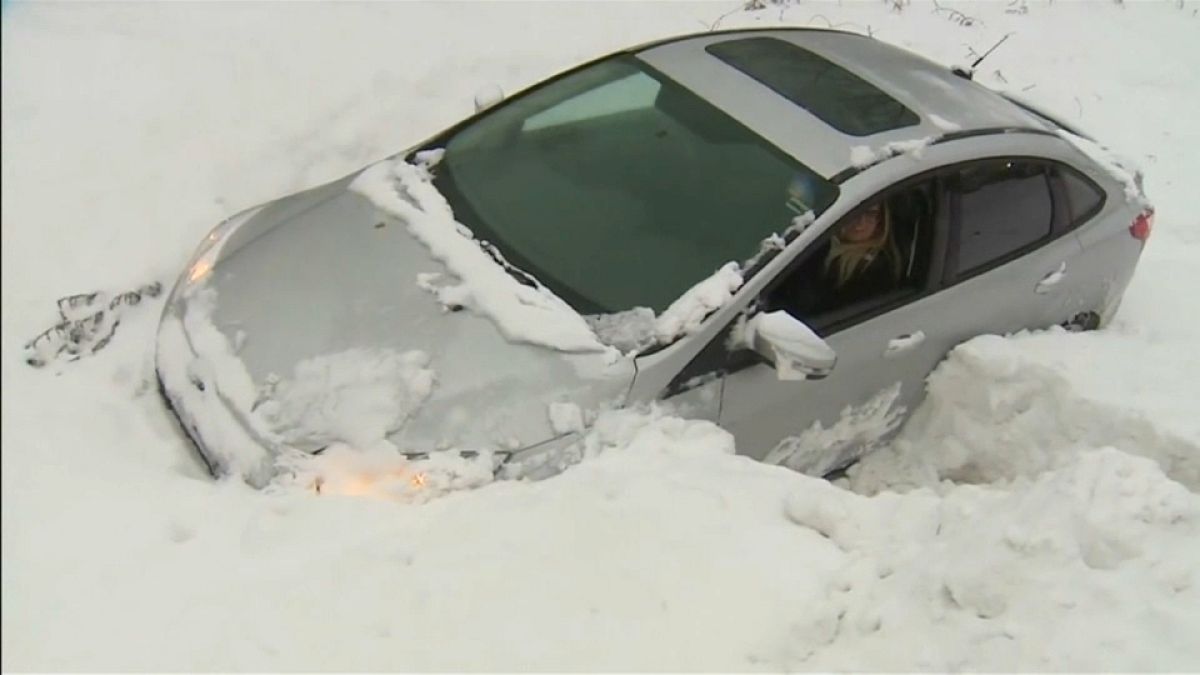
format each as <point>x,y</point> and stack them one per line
<point>863,226</point>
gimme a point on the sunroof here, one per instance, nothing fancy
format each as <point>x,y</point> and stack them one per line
<point>837,96</point>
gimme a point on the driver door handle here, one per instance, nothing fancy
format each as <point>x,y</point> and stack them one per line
<point>1052,279</point>
<point>904,343</point>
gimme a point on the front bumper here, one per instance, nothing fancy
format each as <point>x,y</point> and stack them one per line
<point>225,438</point>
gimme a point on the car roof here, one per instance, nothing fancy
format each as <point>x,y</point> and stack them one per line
<point>945,102</point>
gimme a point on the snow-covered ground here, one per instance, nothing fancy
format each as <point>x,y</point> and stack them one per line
<point>1039,512</point>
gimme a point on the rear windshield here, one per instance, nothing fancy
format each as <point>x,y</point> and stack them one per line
<point>833,94</point>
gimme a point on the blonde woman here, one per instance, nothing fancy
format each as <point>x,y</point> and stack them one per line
<point>863,258</point>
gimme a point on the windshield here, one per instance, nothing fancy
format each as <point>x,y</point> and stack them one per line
<point>617,188</point>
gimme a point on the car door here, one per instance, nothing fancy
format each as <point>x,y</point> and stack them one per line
<point>886,342</point>
<point>996,264</point>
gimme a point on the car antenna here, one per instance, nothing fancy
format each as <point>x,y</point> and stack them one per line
<point>969,72</point>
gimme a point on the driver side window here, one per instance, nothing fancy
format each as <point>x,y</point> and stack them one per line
<point>872,259</point>
<point>843,280</point>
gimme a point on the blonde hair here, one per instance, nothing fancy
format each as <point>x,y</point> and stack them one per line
<point>850,257</point>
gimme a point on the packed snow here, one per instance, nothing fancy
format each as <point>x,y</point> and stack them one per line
<point>1038,512</point>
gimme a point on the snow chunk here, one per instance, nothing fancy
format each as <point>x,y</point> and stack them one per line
<point>819,450</point>
<point>523,313</point>
<point>355,397</point>
<point>862,156</point>
<point>629,331</point>
<point>427,159</point>
<point>686,313</point>
<point>944,124</point>
<point>565,418</point>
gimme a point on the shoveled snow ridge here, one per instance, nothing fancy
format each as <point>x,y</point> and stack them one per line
<point>999,409</point>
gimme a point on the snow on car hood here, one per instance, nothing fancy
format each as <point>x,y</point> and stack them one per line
<point>316,305</point>
<point>522,313</point>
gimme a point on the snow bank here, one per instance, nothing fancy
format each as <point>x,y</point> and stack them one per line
<point>988,569</point>
<point>1002,408</point>
<point>522,313</point>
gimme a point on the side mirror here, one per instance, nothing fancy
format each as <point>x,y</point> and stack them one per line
<point>797,352</point>
<point>487,97</point>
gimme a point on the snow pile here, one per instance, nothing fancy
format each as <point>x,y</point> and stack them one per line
<point>998,409</point>
<point>356,397</point>
<point>987,569</point>
<point>688,311</point>
<point>522,313</point>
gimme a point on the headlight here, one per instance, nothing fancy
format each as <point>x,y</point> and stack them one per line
<point>205,257</point>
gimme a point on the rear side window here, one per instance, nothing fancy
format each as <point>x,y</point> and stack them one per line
<point>1004,206</point>
<point>836,96</point>
<point>1084,199</point>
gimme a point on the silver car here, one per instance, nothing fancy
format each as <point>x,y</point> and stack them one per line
<point>782,231</point>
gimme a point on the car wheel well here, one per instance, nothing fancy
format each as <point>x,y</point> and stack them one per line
<point>1083,321</point>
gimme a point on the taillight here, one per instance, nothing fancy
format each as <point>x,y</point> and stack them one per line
<point>1140,229</point>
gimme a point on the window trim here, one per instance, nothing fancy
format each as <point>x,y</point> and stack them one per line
<point>1059,178</point>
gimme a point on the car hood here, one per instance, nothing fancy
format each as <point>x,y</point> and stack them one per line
<point>319,304</point>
